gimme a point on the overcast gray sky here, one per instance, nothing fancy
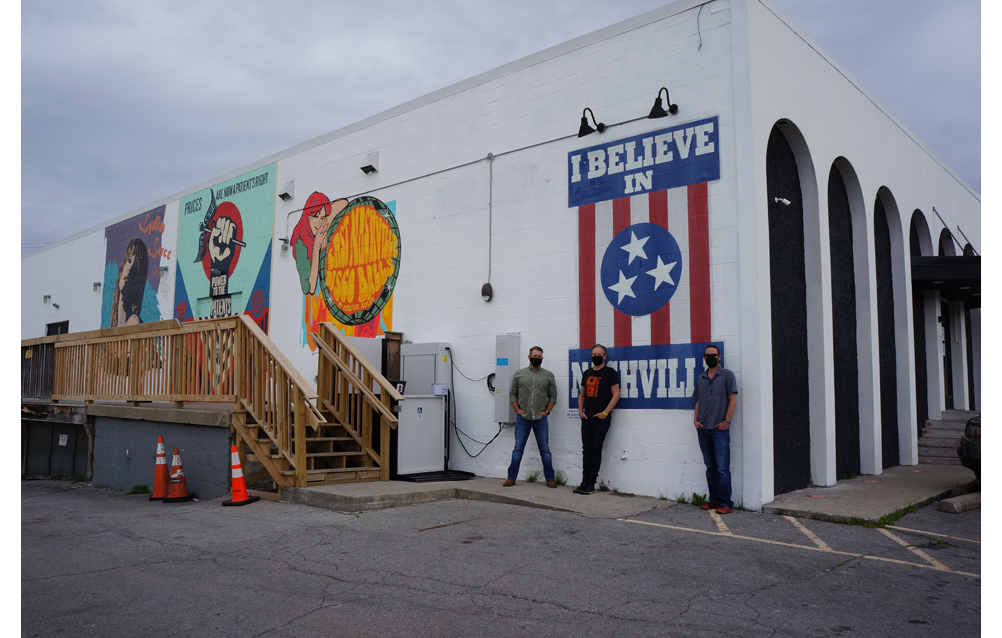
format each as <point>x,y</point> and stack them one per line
<point>123,102</point>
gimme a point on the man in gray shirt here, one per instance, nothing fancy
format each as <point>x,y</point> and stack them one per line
<point>716,397</point>
<point>533,395</point>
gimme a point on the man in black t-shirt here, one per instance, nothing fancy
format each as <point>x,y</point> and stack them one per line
<point>599,395</point>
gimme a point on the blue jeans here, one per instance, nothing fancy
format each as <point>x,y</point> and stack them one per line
<point>542,430</point>
<point>716,448</point>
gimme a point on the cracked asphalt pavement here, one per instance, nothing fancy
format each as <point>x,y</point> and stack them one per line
<point>96,562</point>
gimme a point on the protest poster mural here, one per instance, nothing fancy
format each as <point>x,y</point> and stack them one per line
<point>224,249</point>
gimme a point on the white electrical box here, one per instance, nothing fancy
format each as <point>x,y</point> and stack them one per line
<point>423,365</point>
<point>508,348</point>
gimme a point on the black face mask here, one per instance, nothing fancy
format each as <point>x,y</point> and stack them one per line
<point>535,362</point>
<point>597,360</point>
<point>712,361</point>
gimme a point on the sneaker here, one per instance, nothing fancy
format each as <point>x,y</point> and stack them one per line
<point>580,489</point>
<point>587,489</point>
<point>710,506</point>
<point>508,483</point>
<point>724,510</point>
<point>551,483</point>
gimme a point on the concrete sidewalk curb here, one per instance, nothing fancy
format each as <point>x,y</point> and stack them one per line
<point>354,504</point>
<point>959,504</point>
<point>351,498</point>
<point>843,518</point>
<point>868,498</point>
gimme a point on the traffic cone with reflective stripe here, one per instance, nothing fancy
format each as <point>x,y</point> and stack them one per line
<point>177,490</point>
<point>161,479</point>
<point>240,496</point>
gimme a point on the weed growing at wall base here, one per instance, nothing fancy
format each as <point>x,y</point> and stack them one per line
<point>139,489</point>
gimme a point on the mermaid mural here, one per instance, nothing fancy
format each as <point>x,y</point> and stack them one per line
<point>347,256</point>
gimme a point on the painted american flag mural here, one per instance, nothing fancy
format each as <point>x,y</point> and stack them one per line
<point>644,260</point>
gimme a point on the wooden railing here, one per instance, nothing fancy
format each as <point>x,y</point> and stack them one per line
<point>299,436</point>
<point>347,385</point>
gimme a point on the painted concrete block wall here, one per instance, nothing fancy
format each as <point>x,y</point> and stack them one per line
<point>125,453</point>
<point>67,273</point>
<point>444,220</point>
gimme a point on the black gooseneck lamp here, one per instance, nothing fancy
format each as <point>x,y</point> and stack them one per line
<point>658,110</point>
<point>586,129</point>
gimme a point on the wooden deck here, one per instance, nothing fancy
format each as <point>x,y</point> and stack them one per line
<point>301,436</point>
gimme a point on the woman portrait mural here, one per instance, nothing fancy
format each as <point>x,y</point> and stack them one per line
<point>347,256</point>
<point>130,286</point>
<point>133,257</point>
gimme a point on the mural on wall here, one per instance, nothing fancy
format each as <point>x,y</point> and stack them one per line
<point>644,260</point>
<point>224,249</point>
<point>134,252</point>
<point>347,255</point>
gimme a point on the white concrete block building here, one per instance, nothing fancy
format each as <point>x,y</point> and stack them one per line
<point>781,213</point>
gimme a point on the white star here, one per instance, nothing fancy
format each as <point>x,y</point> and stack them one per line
<point>662,273</point>
<point>624,287</point>
<point>635,247</point>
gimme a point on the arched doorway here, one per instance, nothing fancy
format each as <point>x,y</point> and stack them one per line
<point>845,353</point>
<point>920,244</point>
<point>788,298</point>
<point>883,262</point>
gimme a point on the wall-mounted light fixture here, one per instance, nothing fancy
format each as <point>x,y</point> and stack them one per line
<point>56,306</point>
<point>371,164</point>
<point>658,110</point>
<point>486,291</point>
<point>97,286</point>
<point>285,246</point>
<point>163,271</point>
<point>288,191</point>
<point>586,129</point>
<point>46,298</point>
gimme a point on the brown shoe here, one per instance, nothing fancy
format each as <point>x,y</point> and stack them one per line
<point>509,483</point>
<point>551,484</point>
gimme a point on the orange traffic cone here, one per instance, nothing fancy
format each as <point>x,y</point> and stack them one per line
<point>160,477</point>
<point>177,490</point>
<point>240,496</point>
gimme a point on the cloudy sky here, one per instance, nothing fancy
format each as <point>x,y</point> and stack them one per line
<point>123,102</point>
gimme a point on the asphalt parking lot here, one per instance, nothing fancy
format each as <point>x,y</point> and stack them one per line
<point>96,562</point>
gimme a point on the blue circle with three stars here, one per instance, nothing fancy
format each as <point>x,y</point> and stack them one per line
<point>641,269</point>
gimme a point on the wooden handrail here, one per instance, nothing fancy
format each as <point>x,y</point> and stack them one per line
<point>377,376</point>
<point>355,382</point>
<point>304,386</point>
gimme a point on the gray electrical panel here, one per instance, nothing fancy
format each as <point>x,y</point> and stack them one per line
<point>509,359</point>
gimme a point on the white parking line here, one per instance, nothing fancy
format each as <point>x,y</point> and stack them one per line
<point>809,534</point>
<point>915,550</point>
<point>807,547</point>
<point>937,535</point>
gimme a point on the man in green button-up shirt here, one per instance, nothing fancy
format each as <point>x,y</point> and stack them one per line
<point>533,395</point>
